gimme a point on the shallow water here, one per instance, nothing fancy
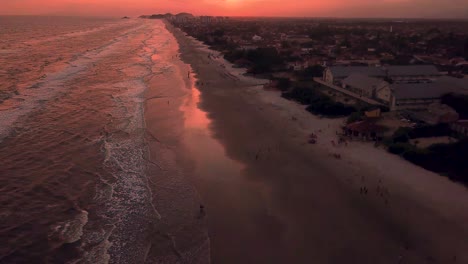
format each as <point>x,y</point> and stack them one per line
<point>74,186</point>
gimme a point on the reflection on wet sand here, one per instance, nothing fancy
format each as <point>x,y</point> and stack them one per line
<point>235,205</point>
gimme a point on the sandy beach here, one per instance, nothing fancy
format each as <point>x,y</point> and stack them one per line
<point>295,203</point>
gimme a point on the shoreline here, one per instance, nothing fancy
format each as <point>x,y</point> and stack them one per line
<point>400,192</point>
<point>178,236</point>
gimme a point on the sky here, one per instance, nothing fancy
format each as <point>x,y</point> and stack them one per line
<point>297,8</point>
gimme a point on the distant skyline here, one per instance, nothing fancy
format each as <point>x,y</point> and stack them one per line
<point>292,8</point>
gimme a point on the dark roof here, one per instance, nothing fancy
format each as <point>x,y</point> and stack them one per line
<point>345,71</point>
<point>412,70</point>
<point>456,84</point>
<point>363,82</point>
<point>419,90</point>
<point>365,126</point>
<point>462,123</point>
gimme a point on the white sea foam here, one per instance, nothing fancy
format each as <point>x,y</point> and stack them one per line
<point>130,202</point>
<point>98,253</point>
<point>70,231</point>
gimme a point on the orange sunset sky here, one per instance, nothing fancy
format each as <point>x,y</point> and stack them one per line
<point>312,8</point>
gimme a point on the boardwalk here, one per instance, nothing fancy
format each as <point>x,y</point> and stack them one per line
<point>348,92</point>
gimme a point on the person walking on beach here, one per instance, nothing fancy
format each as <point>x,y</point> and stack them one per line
<point>202,211</point>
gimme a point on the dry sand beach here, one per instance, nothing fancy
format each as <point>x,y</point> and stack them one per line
<point>285,201</point>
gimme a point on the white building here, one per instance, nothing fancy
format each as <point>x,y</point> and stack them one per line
<point>398,74</point>
<point>364,85</point>
<point>412,95</point>
<point>412,73</point>
<point>336,74</point>
<point>257,38</point>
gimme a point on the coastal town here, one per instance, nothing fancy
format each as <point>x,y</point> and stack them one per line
<point>234,131</point>
<point>401,84</point>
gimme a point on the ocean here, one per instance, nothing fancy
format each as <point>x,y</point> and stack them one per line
<point>74,186</point>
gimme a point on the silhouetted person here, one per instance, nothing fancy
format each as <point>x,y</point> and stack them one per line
<point>202,211</point>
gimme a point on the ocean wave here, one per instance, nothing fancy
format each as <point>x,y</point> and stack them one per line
<point>52,84</point>
<point>69,231</point>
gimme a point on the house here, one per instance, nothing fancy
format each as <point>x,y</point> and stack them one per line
<point>248,47</point>
<point>398,74</point>
<point>363,85</point>
<point>461,127</point>
<point>435,114</point>
<point>336,74</point>
<point>412,95</point>
<point>298,65</point>
<point>374,113</point>
<point>299,38</point>
<point>257,38</point>
<point>412,73</point>
<point>383,94</point>
<point>366,129</point>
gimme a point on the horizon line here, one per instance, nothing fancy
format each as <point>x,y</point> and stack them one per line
<point>277,16</point>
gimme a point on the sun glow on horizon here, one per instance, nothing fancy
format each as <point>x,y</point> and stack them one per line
<point>334,8</point>
<point>234,3</point>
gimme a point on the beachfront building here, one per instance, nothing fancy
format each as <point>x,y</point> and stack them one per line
<point>460,127</point>
<point>364,130</point>
<point>435,114</point>
<point>364,85</point>
<point>412,73</point>
<point>458,85</point>
<point>335,74</point>
<point>401,96</point>
<point>383,94</point>
<point>397,74</point>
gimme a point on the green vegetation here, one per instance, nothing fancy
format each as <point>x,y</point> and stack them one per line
<point>262,60</point>
<point>283,83</point>
<point>404,134</point>
<point>458,102</point>
<point>318,102</point>
<point>355,117</point>
<point>445,159</point>
<point>311,72</point>
<point>234,55</point>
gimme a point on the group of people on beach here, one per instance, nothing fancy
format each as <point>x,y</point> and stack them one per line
<point>380,190</point>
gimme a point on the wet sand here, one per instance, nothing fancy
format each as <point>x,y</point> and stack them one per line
<point>180,235</point>
<point>291,202</point>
